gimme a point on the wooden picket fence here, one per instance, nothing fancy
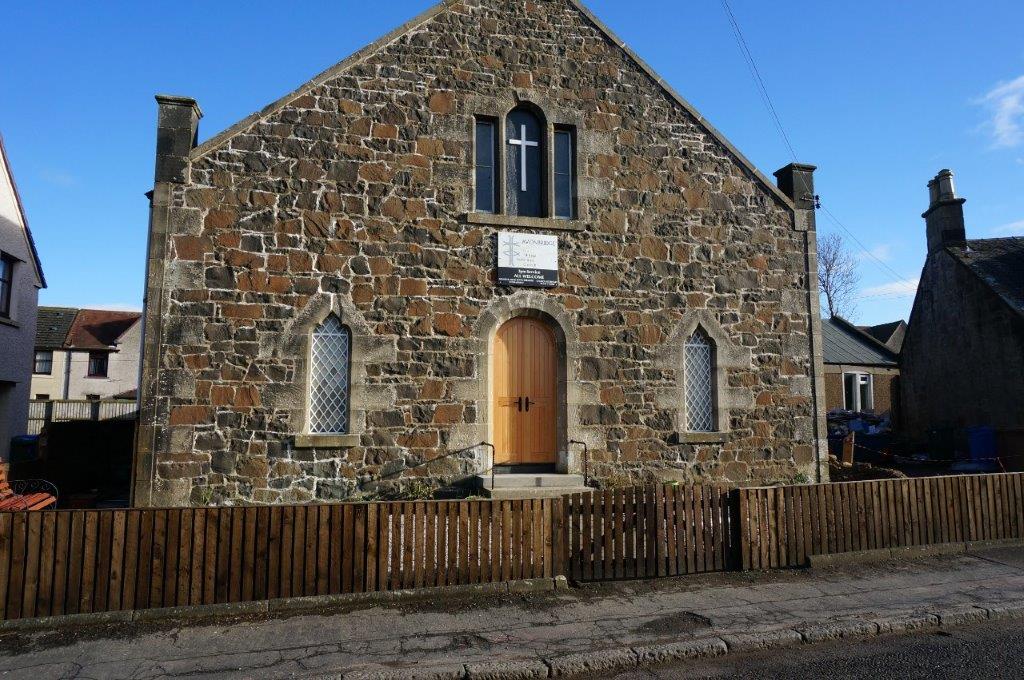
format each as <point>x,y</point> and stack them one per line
<point>80,561</point>
<point>650,531</point>
<point>782,526</point>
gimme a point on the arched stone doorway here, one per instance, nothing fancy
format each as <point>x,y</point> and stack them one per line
<point>527,371</point>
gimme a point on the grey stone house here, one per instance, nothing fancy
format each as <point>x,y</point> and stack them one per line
<point>495,224</point>
<point>963,355</point>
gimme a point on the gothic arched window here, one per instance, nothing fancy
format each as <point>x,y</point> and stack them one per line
<point>699,370</point>
<point>524,167</point>
<point>329,377</point>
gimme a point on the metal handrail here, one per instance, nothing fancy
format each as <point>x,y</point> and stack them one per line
<point>447,455</point>
<point>494,452</point>
<point>586,461</point>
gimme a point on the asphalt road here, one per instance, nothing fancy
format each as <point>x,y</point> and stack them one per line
<point>987,650</point>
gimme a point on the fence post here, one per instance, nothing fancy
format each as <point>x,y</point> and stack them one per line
<point>742,530</point>
<point>556,521</point>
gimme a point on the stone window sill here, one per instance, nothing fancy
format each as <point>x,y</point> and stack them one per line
<point>703,437</point>
<point>524,222</point>
<point>9,322</point>
<point>326,441</point>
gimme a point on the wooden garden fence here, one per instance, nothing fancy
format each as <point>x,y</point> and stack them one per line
<point>782,526</point>
<point>80,561</point>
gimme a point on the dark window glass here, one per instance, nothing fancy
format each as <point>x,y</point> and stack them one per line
<point>486,196</point>
<point>43,363</point>
<point>97,364</point>
<point>42,397</point>
<point>92,397</point>
<point>6,284</point>
<point>564,184</point>
<point>524,167</point>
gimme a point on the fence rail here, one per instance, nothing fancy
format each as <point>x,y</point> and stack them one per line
<point>649,531</point>
<point>43,412</point>
<point>781,526</point>
<point>78,561</point>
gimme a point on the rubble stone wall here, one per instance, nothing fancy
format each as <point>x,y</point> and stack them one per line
<point>356,196</point>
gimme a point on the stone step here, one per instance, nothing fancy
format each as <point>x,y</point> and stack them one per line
<point>528,481</point>
<point>517,493</point>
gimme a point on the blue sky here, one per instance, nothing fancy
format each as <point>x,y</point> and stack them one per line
<point>879,94</point>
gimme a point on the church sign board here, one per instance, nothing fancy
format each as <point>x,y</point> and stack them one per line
<point>527,260</point>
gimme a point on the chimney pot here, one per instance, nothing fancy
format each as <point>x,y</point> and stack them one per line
<point>944,219</point>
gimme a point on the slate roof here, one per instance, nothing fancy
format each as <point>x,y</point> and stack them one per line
<point>999,263</point>
<point>52,326</point>
<point>844,343</point>
<point>99,328</point>
<point>886,333</point>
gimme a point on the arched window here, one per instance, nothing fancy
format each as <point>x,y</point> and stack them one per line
<point>524,167</point>
<point>329,377</point>
<point>699,369</point>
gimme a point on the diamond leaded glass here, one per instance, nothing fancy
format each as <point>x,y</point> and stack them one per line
<point>329,378</point>
<point>700,392</point>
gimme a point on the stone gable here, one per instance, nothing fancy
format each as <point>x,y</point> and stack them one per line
<point>356,195</point>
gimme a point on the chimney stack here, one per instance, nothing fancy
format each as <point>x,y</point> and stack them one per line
<point>796,180</point>
<point>944,219</point>
<point>177,131</point>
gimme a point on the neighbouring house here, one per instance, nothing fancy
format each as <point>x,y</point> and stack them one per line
<point>889,334</point>
<point>861,371</point>
<point>21,277</point>
<point>86,353</point>
<point>963,356</point>
<point>496,224</point>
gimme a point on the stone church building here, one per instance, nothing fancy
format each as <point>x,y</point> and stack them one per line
<point>493,237</point>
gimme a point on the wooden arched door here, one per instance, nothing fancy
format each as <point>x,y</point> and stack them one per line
<point>525,393</point>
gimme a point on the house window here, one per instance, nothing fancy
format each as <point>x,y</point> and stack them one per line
<point>92,397</point>
<point>42,397</point>
<point>565,198</point>
<point>858,391</point>
<point>43,362</point>
<point>524,166</point>
<point>699,369</point>
<point>97,364</point>
<point>486,165</point>
<point>329,378</point>
<point>6,284</point>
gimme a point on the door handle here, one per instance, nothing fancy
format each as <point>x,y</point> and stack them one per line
<point>528,402</point>
<point>519,404</point>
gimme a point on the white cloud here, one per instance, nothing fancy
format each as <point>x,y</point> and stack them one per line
<point>1011,229</point>
<point>59,178</point>
<point>896,289</point>
<point>880,252</point>
<point>1005,101</point>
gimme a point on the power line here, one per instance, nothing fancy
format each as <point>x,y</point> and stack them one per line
<point>759,81</point>
<point>878,260</point>
<point>766,99</point>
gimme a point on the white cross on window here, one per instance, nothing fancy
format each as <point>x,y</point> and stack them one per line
<point>522,143</point>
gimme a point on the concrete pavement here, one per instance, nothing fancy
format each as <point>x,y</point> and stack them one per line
<point>599,629</point>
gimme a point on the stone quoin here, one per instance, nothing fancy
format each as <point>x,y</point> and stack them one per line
<point>681,341</point>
